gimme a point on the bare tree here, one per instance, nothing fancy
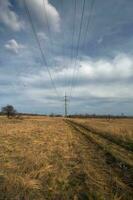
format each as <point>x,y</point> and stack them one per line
<point>8,110</point>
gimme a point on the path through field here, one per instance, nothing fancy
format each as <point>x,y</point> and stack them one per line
<point>56,159</point>
<point>113,164</point>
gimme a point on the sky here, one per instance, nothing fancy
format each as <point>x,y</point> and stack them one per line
<point>58,47</point>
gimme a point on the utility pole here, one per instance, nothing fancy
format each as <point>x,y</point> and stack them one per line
<point>65,100</point>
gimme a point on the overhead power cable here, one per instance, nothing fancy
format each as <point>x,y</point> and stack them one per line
<point>65,63</point>
<point>73,34</point>
<point>78,45</point>
<point>88,22</point>
<point>85,36</point>
<point>47,23</point>
<point>40,48</point>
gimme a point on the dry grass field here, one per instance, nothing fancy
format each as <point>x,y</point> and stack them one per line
<point>117,129</point>
<point>44,158</point>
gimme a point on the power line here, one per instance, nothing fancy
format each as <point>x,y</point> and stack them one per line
<point>78,45</point>
<point>89,21</point>
<point>87,27</point>
<point>73,34</point>
<point>47,22</point>
<point>40,48</point>
<point>86,33</point>
<point>66,63</point>
<point>48,27</point>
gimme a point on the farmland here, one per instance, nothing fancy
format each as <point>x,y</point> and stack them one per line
<point>66,159</point>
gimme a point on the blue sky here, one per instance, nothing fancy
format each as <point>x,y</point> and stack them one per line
<point>102,59</point>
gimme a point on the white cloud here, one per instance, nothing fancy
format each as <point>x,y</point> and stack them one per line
<point>8,17</point>
<point>100,40</point>
<point>95,78</point>
<point>38,9</point>
<point>119,68</point>
<point>13,46</point>
<point>42,36</point>
<point>110,90</point>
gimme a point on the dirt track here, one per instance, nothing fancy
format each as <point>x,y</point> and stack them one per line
<point>43,158</point>
<point>112,163</point>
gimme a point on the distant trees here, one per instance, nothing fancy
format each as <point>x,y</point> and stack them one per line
<point>8,110</point>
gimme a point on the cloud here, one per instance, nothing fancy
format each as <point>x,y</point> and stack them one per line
<point>92,93</point>
<point>121,67</point>
<point>42,36</point>
<point>8,17</point>
<point>95,78</point>
<point>100,77</point>
<point>13,46</point>
<point>100,40</point>
<point>43,12</point>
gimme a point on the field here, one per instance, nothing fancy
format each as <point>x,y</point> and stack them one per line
<point>43,158</point>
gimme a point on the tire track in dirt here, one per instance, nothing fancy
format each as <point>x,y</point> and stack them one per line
<point>126,157</point>
<point>119,173</point>
<point>124,144</point>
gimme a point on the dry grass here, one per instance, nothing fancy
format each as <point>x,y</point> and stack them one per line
<point>42,158</point>
<point>32,154</point>
<point>119,130</point>
<point>118,159</point>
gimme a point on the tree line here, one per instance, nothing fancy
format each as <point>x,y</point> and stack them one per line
<point>10,112</point>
